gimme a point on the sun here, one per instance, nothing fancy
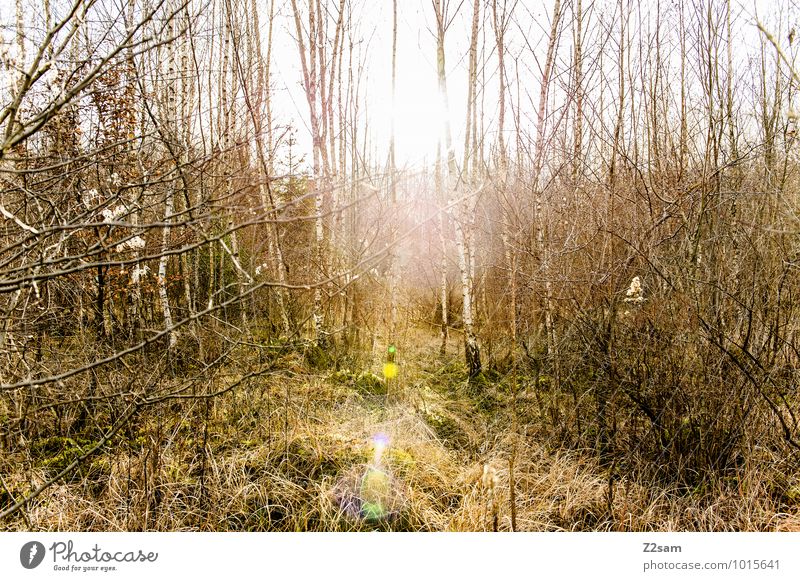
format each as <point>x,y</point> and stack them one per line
<point>419,122</point>
<point>418,113</point>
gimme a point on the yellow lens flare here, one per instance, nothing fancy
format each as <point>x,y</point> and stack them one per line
<point>390,370</point>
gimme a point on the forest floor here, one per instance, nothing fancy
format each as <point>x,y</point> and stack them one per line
<point>332,451</point>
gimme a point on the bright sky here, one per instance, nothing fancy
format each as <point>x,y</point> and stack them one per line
<point>418,112</point>
<point>418,109</point>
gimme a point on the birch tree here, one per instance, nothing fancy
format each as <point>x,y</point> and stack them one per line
<point>456,187</point>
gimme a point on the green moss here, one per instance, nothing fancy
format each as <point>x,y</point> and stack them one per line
<point>450,375</point>
<point>318,357</point>
<point>342,376</point>
<point>138,442</point>
<point>370,384</point>
<point>366,383</point>
<point>46,448</point>
<point>401,459</point>
<point>447,429</point>
<point>488,402</point>
<point>61,460</point>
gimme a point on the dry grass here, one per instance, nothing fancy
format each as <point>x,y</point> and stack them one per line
<point>292,455</point>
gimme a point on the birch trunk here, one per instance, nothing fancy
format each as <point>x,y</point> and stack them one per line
<point>577,153</point>
<point>471,348</point>
<point>162,270</point>
<point>443,302</point>
<point>393,274</point>
<point>169,201</point>
<point>308,62</point>
<point>538,167</point>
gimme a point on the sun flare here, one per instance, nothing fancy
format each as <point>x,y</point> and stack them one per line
<point>418,116</point>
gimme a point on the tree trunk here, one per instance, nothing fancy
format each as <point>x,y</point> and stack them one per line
<point>471,348</point>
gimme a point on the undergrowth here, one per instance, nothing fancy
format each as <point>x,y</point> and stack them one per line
<point>340,450</point>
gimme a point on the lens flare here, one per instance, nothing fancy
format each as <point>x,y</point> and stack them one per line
<point>375,493</point>
<point>380,442</point>
<point>390,370</point>
<point>369,492</point>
